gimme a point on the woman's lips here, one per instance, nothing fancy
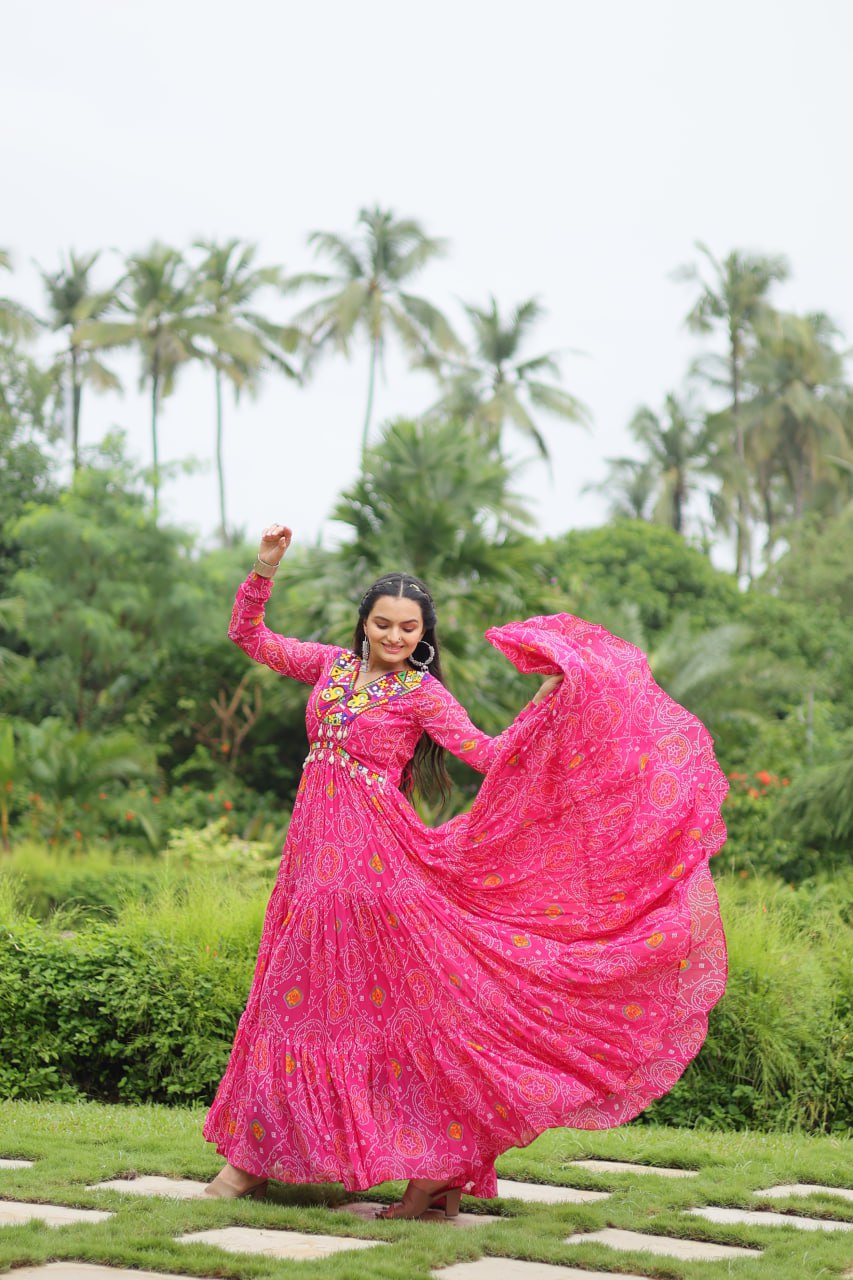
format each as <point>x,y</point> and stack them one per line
<point>393,648</point>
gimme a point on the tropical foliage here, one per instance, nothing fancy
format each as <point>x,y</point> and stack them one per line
<point>136,742</point>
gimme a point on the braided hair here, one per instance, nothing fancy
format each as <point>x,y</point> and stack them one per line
<point>426,771</point>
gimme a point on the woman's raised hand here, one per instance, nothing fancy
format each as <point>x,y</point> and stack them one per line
<point>275,540</point>
<point>547,687</point>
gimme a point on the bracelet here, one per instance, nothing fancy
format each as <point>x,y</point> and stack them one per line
<point>264,569</point>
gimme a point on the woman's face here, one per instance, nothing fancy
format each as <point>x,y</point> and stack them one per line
<point>393,627</point>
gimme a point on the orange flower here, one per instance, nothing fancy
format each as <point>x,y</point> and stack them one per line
<point>764,777</point>
<point>751,791</point>
<point>227,804</point>
<point>78,835</point>
<point>129,816</point>
<point>786,782</point>
<point>225,747</point>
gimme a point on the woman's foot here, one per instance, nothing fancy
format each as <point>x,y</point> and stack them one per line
<point>423,1196</point>
<point>233,1184</point>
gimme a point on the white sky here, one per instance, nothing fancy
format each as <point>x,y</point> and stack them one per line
<point>569,150</point>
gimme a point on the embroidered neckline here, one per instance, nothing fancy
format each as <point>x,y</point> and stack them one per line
<point>338,699</point>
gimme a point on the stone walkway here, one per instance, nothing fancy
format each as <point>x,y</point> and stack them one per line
<point>299,1245</point>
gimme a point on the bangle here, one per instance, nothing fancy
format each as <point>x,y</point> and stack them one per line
<point>263,569</point>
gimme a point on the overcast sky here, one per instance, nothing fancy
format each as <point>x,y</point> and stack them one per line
<point>572,151</point>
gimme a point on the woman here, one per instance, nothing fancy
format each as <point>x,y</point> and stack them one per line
<point>426,998</point>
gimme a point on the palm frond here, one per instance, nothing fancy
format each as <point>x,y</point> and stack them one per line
<point>342,253</point>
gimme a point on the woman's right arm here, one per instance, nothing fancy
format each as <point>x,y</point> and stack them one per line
<point>300,659</point>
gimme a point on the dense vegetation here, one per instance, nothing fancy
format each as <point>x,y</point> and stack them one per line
<point>136,743</point>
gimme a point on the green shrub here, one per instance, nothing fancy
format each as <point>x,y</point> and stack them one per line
<point>759,841</point>
<point>144,1009</point>
<point>141,1010</point>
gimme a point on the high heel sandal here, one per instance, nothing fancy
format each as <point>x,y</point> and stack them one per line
<point>221,1189</point>
<point>417,1202</point>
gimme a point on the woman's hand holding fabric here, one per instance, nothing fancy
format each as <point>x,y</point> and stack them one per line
<point>547,687</point>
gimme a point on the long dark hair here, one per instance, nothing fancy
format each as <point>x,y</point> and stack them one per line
<point>426,770</point>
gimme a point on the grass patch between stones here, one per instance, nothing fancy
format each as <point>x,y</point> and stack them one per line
<point>79,1143</point>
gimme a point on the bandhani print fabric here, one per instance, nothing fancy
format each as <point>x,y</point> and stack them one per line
<point>425,998</point>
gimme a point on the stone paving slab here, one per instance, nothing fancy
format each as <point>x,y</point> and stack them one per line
<point>515,1269</point>
<point>623,1166</point>
<point>666,1246</point>
<point>804,1189</point>
<point>276,1244</point>
<point>366,1210</point>
<point>765,1218</point>
<point>88,1271</point>
<point>542,1193</point>
<point>153,1185</point>
<point>16,1164</point>
<point>55,1215</point>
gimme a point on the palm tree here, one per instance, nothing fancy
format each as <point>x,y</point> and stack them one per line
<point>494,387</point>
<point>430,499</point>
<point>160,299</point>
<point>734,299</point>
<point>629,487</point>
<point>368,293</point>
<point>244,342</point>
<point>72,301</point>
<point>677,448</point>
<point>15,320</point>
<point>796,428</point>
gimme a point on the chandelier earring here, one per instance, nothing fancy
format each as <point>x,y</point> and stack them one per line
<point>422,664</point>
<point>365,650</point>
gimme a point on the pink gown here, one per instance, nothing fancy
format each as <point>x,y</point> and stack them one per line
<point>425,998</point>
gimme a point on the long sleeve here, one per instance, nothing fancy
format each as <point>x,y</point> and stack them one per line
<point>301,659</point>
<point>448,723</point>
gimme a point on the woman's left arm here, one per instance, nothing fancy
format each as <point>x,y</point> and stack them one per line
<point>448,723</point>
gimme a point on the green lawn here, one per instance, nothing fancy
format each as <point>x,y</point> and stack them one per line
<point>76,1144</point>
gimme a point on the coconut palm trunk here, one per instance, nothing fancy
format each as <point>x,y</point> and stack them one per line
<point>374,360</point>
<point>76,398</point>
<point>155,468</point>
<point>220,469</point>
<point>743,541</point>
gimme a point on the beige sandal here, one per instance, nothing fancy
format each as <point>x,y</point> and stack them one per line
<point>222,1188</point>
<point>417,1202</point>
